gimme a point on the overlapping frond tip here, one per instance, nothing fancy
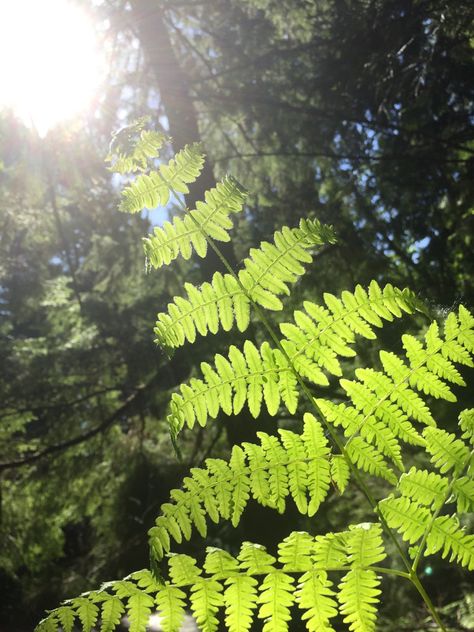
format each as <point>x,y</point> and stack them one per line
<point>254,584</point>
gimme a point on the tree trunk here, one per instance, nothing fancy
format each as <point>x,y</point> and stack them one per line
<point>178,105</point>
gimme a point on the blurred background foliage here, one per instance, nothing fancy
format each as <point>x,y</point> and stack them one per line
<point>358,112</point>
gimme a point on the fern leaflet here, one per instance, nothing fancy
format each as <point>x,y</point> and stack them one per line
<point>297,466</point>
<point>182,236</point>
<point>150,191</point>
<point>265,275</point>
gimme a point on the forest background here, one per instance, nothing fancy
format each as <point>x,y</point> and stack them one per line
<point>357,112</point>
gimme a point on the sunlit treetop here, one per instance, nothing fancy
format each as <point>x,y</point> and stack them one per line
<point>52,65</point>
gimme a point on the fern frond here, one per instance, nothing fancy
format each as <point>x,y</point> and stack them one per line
<point>154,189</point>
<point>359,589</point>
<point>340,472</point>
<point>426,488</point>
<point>446,451</point>
<point>140,606</point>
<point>135,157</point>
<point>269,472</point>
<point>48,624</point>
<point>369,459</point>
<point>466,423</point>
<point>240,598</point>
<point>132,146</point>
<point>241,378</point>
<point>295,551</point>
<point>86,611</point>
<point>253,376</point>
<point>406,517</point>
<point>358,594</point>
<point>111,613</point>
<point>317,599</point>
<point>182,236</point>
<point>446,536</point>
<point>371,429</point>
<point>229,582</point>
<point>330,550</point>
<point>206,598</point>
<point>171,602</point>
<point>265,275</point>
<point>383,402</point>
<point>321,333</point>
<point>67,617</point>
<point>254,559</point>
<point>463,489</point>
<point>276,597</point>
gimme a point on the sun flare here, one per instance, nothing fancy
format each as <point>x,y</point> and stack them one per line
<point>50,65</point>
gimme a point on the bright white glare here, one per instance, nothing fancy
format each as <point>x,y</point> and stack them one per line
<point>154,622</point>
<point>50,66</point>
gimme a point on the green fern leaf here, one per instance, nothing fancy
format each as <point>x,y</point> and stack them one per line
<point>330,550</point>
<point>294,553</point>
<point>323,333</point>
<point>182,236</point>
<point>297,468</point>
<point>139,609</point>
<point>359,588</point>
<point>367,458</point>
<point>278,475</point>
<point>463,489</point>
<point>183,569</point>
<point>240,598</point>
<point>111,613</point>
<point>316,597</point>
<point>295,465</point>
<point>66,618</point>
<point>276,597</point>
<point>265,275</point>
<point>446,451</point>
<point>240,494</point>
<point>406,517</point>
<point>446,536</point>
<point>206,598</point>
<point>258,473</point>
<point>253,376</point>
<point>171,602</point>
<point>340,472</point>
<point>371,429</point>
<point>466,422</point>
<point>128,155</point>
<point>319,476</point>
<point>48,624</point>
<point>426,488</point>
<point>223,489</point>
<point>358,592</point>
<point>86,611</point>
<point>255,560</point>
<point>219,563</point>
<point>365,544</point>
<point>150,191</point>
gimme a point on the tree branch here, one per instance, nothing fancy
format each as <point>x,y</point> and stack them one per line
<point>64,445</point>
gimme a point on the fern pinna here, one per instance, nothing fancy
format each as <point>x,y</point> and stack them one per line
<point>374,433</point>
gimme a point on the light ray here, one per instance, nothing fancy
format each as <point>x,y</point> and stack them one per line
<point>50,65</point>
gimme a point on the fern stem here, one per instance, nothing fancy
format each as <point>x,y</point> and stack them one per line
<point>437,512</point>
<point>426,598</point>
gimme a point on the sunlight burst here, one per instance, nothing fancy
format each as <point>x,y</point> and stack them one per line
<point>50,64</point>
